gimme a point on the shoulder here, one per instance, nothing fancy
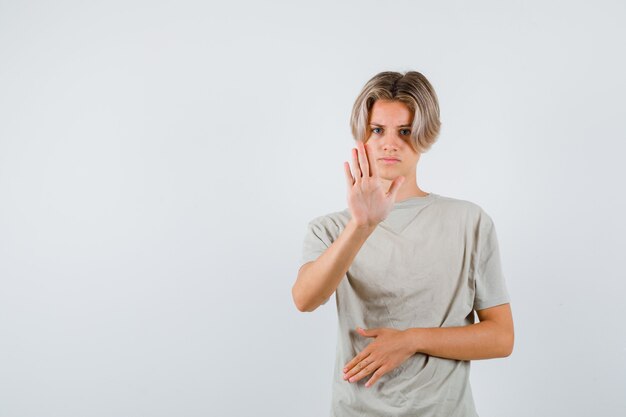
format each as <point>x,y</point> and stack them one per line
<point>470,213</point>
<point>461,206</point>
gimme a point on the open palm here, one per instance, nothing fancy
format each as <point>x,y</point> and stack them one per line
<point>368,201</point>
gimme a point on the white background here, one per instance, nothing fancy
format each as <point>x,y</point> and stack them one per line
<point>159,162</point>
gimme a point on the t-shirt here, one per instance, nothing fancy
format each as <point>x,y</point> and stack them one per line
<point>430,263</point>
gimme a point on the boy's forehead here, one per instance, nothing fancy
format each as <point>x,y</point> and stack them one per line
<point>398,116</point>
<point>391,121</point>
<point>397,125</point>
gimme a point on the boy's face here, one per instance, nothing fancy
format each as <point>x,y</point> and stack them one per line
<point>388,135</point>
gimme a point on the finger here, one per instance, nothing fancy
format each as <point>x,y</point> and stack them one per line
<point>355,166</point>
<point>357,367</point>
<point>373,165</point>
<point>349,178</point>
<point>395,186</point>
<point>363,372</point>
<point>368,332</point>
<point>363,159</point>
<point>349,365</point>
<point>358,358</point>
<point>379,372</point>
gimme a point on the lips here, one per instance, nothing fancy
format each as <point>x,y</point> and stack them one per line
<point>390,159</point>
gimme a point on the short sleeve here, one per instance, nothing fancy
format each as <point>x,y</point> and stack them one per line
<point>316,241</point>
<point>489,280</point>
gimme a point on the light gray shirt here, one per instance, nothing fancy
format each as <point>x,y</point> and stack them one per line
<point>430,263</point>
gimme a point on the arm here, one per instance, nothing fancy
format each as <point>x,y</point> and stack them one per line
<point>369,203</point>
<point>317,280</point>
<point>493,337</point>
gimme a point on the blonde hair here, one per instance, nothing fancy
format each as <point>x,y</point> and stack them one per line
<point>410,88</point>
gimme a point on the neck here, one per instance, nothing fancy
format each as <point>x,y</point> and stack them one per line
<point>407,190</point>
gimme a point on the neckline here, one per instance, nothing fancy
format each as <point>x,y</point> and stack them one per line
<point>414,201</point>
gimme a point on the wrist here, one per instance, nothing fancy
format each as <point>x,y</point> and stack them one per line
<point>417,338</point>
<point>361,227</point>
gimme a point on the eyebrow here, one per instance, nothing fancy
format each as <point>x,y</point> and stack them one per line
<point>376,124</point>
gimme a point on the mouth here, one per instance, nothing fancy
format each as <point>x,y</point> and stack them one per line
<point>389,160</point>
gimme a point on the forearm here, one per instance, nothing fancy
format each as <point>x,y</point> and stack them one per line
<point>483,340</point>
<point>319,279</point>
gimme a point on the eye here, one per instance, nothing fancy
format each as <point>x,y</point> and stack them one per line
<point>374,130</point>
<point>408,131</point>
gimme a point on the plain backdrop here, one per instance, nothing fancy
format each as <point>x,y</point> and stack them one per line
<point>159,161</point>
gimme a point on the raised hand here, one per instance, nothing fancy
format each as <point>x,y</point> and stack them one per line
<point>368,201</point>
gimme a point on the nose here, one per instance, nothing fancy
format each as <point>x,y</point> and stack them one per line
<point>392,140</point>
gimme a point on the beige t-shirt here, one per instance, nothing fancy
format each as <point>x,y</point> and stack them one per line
<point>430,263</point>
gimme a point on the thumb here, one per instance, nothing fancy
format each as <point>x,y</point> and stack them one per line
<point>367,332</point>
<point>395,186</point>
